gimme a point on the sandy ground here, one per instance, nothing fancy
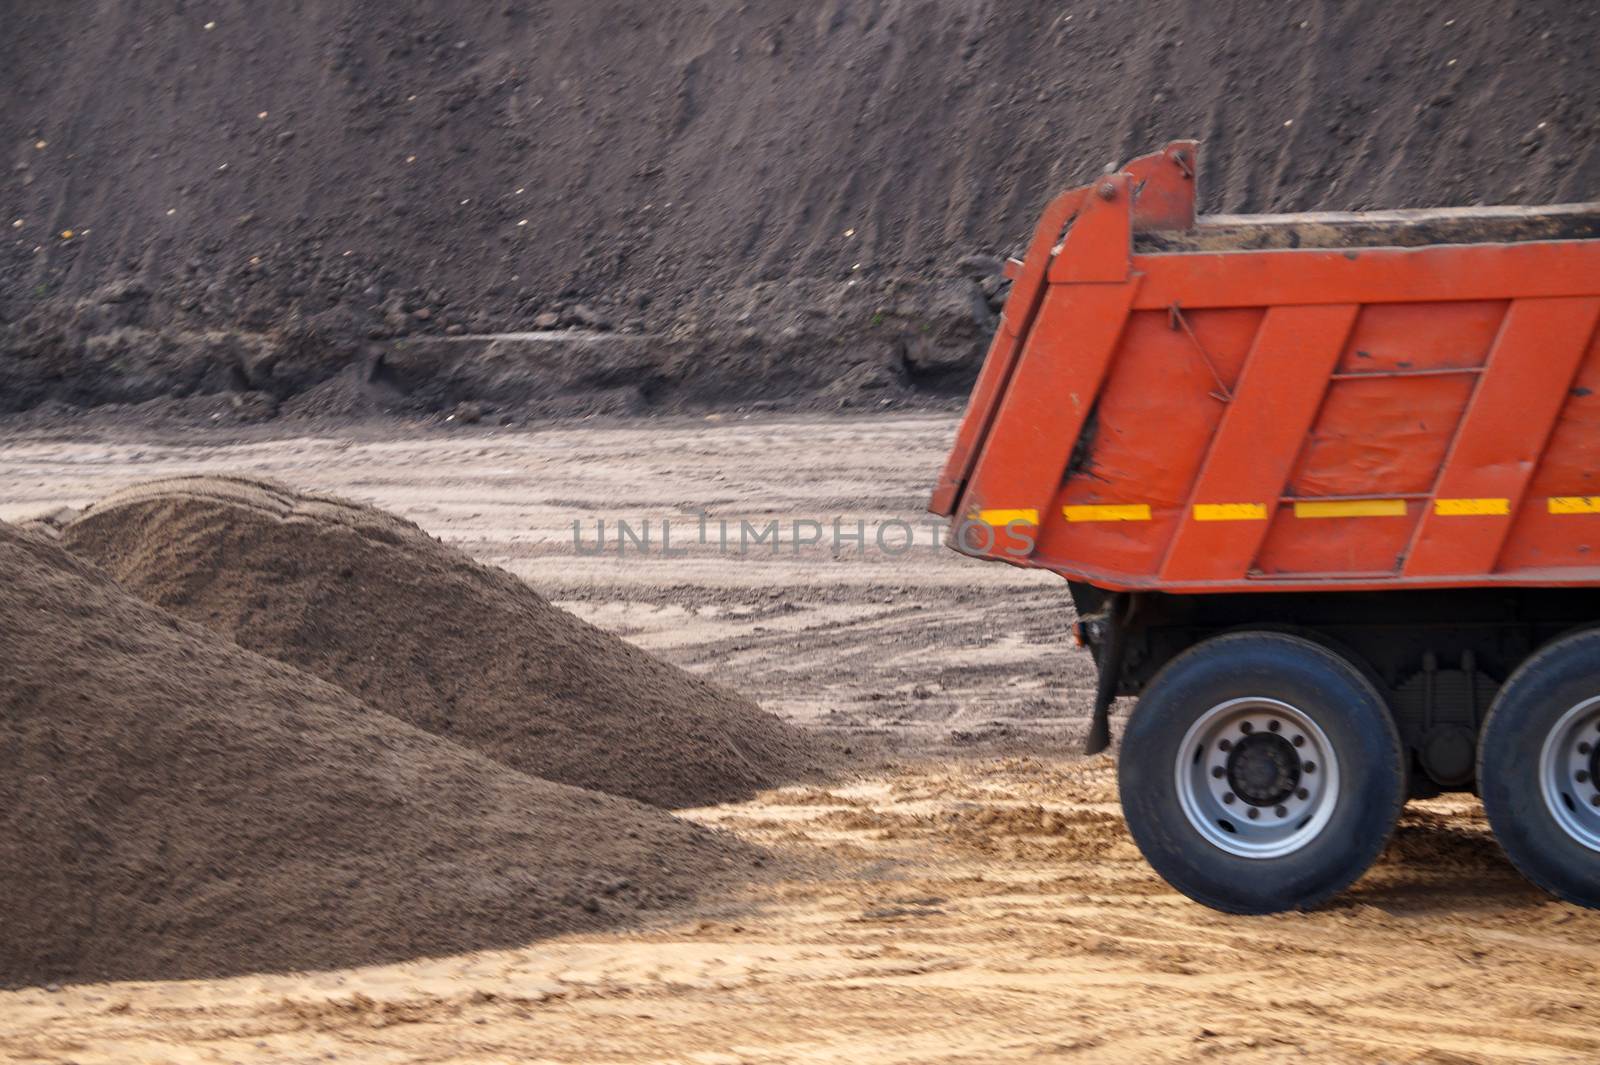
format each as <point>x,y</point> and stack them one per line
<point>918,641</point>
<point>961,900</point>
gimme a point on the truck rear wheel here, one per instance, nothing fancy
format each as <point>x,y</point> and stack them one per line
<point>1539,768</point>
<point>1261,772</point>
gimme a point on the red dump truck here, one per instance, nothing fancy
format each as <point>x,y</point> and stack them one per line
<point>1326,492</point>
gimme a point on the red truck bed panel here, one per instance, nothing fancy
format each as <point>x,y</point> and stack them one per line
<point>1327,418</point>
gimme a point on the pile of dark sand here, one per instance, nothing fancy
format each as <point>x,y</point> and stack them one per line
<point>172,805</point>
<point>491,159</point>
<point>412,627</point>
<point>301,183</point>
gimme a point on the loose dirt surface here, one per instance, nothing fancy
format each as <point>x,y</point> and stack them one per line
<point>973,897</point>
<point>993,910</point>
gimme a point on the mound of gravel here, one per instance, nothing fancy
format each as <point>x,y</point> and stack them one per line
<point>175,806</point>
<point>373,604</point>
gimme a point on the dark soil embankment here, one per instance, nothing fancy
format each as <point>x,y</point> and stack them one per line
<point>315,180</point>
<point>412,627</point>
<point>175,806</point>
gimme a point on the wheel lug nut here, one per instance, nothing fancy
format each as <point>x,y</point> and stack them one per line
<point>1299,741</point>
<point>1247,728</point>
<point>1583,776</point>
<point>1253,814</point>
<point>1594,800</point>
<point>1281,811</point>
<point>1219,772</point>
<point>1309,767</point>
<point>1274,726</point>
<point>1584,748</point>
<point>1227,800</point>
<point>1303,793</point>
<point>1225,745</point>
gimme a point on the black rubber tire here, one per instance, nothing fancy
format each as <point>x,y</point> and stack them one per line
<point>1321,684</point>
<point>1557,678</point>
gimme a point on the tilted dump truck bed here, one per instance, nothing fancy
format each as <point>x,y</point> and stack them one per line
<point>1291,402</point>
<point>1326,492</point>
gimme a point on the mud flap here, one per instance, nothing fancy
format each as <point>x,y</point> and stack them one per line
<point>1110,662</point>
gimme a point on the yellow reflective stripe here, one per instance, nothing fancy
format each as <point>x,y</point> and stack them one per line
<point>1460,508</point>
<point>1351,508</point>
<point>1230,512</point>
<point>1107,512</point>
<point>1575,504</point>
<point>1001,518</point>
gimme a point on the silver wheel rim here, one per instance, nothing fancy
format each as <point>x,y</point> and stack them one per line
<point>1567,768</point>
<point>1236,784</point>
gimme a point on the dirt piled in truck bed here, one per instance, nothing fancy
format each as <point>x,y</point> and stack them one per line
<point>412,627</point>
<point>301,184</point>
<point>176,806</point>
